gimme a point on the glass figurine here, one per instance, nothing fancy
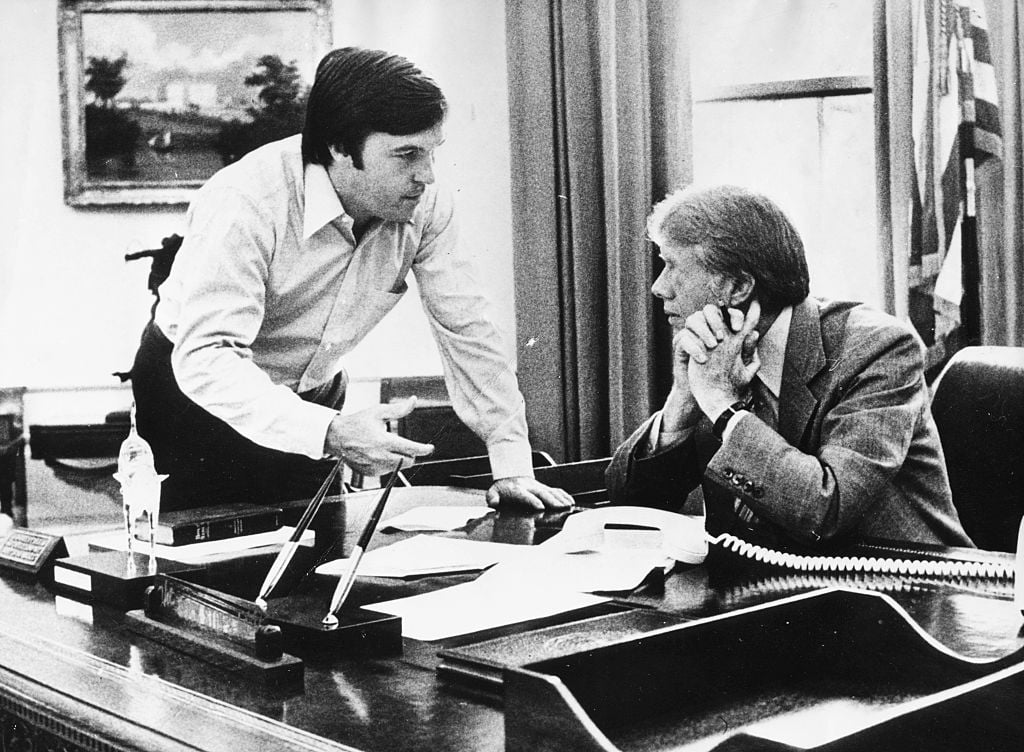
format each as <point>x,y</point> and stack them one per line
<point>140,488</point>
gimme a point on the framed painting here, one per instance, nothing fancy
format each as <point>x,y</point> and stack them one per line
<point>157,95</point>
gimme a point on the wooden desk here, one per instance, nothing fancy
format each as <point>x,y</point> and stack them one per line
<point>72,671</point>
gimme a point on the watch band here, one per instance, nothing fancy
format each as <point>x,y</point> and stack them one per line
<point>718,428</point>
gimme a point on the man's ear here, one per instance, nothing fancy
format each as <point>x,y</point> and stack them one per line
<point>339,155</point>
<point>743,289</point>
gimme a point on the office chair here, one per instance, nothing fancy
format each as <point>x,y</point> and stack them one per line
<point>433,420</point>
<point>978,404</point>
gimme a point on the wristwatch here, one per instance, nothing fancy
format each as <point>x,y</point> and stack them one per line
<point>723,420</point>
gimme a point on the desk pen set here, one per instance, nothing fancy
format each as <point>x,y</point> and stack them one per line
<point>252,636</point>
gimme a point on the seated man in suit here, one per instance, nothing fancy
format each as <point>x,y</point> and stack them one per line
<point>805,421</point>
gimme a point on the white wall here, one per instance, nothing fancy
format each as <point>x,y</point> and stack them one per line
<point>71,309</point>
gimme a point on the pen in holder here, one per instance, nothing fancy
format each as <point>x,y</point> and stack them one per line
<point>140,489</point>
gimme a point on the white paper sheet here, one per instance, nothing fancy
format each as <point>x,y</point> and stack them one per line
<point>598,571</point>
<point>426,555</point>
<point>532,584</point>
<point>439,519</point>
<point>476,606</point>
<point>207,551</point>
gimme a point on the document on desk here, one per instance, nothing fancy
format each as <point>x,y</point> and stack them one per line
<point>208,551</point>
<point>476,606</point>
<point>435,519</point>
<point>535,585</point>
<point>424,555</point>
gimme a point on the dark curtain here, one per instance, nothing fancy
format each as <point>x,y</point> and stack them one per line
<point>600,113</point>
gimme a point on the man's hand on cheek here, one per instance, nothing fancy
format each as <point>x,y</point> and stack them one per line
<point>722,374</point>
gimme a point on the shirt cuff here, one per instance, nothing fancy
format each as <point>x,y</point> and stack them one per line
<point>510,459</point>
<point>311,423</point>
<point>733,422</point>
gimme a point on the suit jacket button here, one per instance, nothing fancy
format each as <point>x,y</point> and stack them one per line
<point>748,486</point>
<point>727,472</point>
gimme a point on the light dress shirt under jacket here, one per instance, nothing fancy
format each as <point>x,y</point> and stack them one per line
<point>270,290</point>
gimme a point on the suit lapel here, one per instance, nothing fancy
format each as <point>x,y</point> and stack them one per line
<point>805,358</point>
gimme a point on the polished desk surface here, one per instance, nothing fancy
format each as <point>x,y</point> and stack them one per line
<point>398,703</point>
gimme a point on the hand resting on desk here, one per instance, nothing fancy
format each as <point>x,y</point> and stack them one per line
<point>528,492</point>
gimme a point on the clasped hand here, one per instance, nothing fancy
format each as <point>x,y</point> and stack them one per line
<point>720,357</point>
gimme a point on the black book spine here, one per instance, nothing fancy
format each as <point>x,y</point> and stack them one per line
<point>209,530</point>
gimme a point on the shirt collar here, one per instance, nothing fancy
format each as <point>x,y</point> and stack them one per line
<point>772,350</point>
<point>322,202</point>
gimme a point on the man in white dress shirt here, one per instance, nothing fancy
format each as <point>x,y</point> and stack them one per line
<point>291,256</point>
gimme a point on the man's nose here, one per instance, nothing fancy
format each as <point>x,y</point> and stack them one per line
<point>425,171</point>
<point>660,289</point>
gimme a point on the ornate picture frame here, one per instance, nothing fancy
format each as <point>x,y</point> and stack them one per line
<point>157,95</point>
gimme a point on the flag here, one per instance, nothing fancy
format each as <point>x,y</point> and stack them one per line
<point>956,125</point>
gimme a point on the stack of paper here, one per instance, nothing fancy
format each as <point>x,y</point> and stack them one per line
<point>531,584</point>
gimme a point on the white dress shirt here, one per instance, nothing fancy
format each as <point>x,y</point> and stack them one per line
<point>270,290</point>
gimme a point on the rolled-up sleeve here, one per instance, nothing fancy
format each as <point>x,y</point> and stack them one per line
<point>477,368</point>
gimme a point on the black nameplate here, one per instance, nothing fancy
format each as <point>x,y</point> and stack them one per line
<point>116,578</point>
<point>31,553</point>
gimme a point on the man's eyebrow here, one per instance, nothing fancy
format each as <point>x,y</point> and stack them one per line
<point>412,147</point>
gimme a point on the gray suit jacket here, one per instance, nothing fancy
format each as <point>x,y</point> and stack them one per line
<point>856,455</point>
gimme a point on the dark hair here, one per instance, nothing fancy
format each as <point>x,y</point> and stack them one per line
<point>357,92</point>
<point>739,231</point>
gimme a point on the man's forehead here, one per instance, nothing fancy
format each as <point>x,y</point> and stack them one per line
<point>428,139</point>
<point>680,251</point>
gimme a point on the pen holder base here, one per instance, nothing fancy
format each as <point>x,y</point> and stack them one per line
<point>359,632</point>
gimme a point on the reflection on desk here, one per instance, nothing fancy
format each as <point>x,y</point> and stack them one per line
<point>79,669</point>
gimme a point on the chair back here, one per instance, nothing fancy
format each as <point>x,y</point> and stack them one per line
<point>433,420</point>
<point>978,404</point>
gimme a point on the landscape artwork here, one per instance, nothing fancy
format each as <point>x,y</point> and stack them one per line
<point>165,99</point>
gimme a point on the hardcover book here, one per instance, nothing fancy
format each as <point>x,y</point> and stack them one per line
<point>187,526</point>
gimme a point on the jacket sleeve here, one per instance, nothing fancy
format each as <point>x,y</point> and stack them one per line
<point>637,477</point>
<point>871,417</point>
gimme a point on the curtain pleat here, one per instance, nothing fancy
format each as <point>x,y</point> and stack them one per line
<point>1002,184</point>
<point>590,143</point>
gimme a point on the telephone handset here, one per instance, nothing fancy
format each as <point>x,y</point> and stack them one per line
<point>680,536</point>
